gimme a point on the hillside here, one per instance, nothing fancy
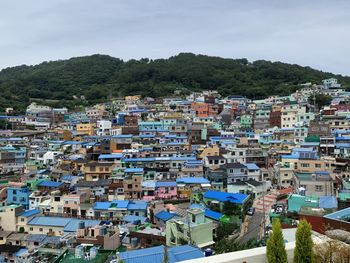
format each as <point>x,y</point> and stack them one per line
<point>99,77</point>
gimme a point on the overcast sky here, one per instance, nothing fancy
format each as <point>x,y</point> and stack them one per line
<point>313,33</point>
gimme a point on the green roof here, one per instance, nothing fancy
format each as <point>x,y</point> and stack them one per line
<point>344,196</point>
<point>312,138</point>
<point>295,202</point>
<point>304,176</point>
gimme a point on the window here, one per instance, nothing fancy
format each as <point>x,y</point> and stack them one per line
<point>22,219</point>
<point>305,165</point>
<point>317,165</point>
<point>318,188</point>
<point>31,229</point>
<point>40,229</point>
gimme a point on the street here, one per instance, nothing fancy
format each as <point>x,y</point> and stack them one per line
<point>253,228</point>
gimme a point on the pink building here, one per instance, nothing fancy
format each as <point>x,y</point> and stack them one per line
<point>165,190</point>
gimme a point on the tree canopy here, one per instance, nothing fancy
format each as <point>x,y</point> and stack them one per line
<point>275,249</point>
<point>303,252</point>
<point>99,77</point>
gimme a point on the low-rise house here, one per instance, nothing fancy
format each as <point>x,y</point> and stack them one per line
<point>95,171</point>
<point>49,186</point>
<point>218,199</point>
<point>165,190</point>
<point>56,226</point>
<point>18,193</point>
<point>316,184</point>
<point>186,186</point>
<point>8,253</point>
<point>162,217</point>
<point>148,236</point>
<point>105,236</point>
<point>193,229</point>
<point>251,187</point>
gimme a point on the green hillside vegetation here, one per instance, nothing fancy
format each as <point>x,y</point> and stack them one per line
<point>101,77</point>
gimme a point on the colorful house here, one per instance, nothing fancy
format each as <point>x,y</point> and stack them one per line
<point>194,229</point>
<point>219,198</point>
<point>165,190</point>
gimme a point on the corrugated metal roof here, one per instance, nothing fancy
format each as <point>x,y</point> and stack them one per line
<point>156,254</point>
<point>30,213</point>
<point>50,184</point>
<point>192,180</point>
<point>165,215</point>
<point>235,198</point>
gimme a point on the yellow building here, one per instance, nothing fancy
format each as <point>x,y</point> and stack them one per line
<point>94,171</point>
<point>133,98</point>
<point>210,151</point>
<point>86,128</point>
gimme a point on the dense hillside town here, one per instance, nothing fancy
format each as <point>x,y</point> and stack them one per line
<point>178,177</point>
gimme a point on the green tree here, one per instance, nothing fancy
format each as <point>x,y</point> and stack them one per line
<point>275,249</point>
<point>231,209</point>
<point>320,100</point>
<point>224,230</point>
<point>303,252</point>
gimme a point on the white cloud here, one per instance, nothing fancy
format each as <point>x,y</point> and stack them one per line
<point>313,32</point>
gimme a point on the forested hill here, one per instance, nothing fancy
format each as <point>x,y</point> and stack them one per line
<point>100,77</point>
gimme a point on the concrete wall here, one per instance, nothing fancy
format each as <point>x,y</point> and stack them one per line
<point>255,255</point>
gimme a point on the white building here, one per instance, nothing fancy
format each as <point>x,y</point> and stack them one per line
<point>104,127</point>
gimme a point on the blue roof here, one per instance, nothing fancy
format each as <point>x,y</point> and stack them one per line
<point>182,253</point>
<point>50,184</point>
<point>303,150</point>
<point>72,143</point>
<point>121,203</point>
<point>68,177</point>
<point>68,224</point>
<point>183,158</point>
<point>134,219</point>
<point>102,205</point>
<point>133,170</point>
<point>73,224</point>
<point>149,184</point>
<point>252,166</point>
<point>328,202</point>
<point>165,215</point>
<point>120,136</point>
<point>342,145</point>
<point>30,213</point>
<point>166,184</point>
<point>49,221</point>
<point>339,214</point>
<point>192,180</point>
<point>147,136</point>
<point>139,159</point>
<point>235,198</point>
<point>111,156</point>
<point>213,215</point>
<point>116,204</point>
<point>137,205</point>
<point>342,138</point>
<point>156,254</point>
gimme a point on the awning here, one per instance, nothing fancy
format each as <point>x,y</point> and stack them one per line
<point>206,244</point>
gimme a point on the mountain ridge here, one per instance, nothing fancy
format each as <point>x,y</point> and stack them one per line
<point>100,77</point>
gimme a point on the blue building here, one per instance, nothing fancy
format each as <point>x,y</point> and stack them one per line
<point>18,195</point>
